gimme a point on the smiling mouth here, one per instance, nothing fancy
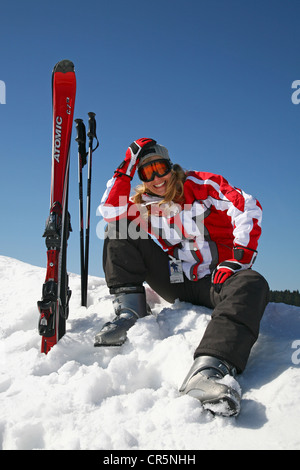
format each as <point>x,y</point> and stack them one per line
<point>159,185</point>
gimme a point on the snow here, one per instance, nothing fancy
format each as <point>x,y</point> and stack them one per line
<point>126,398</point>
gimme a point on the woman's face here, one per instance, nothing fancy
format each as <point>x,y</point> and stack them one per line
<point>159,185</point>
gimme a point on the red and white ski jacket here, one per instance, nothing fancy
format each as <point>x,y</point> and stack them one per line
<point>202,231</point>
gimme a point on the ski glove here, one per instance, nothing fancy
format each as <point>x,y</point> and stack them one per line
<point>132,156</point>
<point>243,258</point>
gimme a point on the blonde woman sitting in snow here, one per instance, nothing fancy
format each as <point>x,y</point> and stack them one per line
<point>191,236</point>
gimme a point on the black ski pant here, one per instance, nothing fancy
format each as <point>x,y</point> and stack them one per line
<point>237,309</point>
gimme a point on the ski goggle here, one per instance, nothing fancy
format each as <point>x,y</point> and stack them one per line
<point>158,168</point>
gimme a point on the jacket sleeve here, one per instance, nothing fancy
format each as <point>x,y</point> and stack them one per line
<point>115,201</point>
<point>243,210</point>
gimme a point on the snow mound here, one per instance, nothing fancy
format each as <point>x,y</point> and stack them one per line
<point>126,398</point>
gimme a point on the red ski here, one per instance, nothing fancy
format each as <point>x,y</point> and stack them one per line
<point>54,306</point>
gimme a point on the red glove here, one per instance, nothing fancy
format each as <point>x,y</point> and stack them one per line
<point>243,258</point>
<point>133,153</point>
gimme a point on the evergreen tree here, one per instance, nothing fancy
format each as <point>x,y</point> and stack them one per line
<point>286,297</point>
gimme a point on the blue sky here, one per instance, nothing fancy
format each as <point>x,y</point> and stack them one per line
<point>209,79</point>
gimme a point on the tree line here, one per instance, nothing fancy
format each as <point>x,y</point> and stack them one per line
<point>285,296</point>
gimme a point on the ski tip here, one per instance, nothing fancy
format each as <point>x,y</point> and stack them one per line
<point>64,66</point>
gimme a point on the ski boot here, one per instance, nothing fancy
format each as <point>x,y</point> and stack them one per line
<point>211,380</point>
<point>129,305</point>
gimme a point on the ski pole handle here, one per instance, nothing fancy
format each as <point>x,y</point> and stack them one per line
<point>81,137</point>
<point>92,125</point>
<point>80,127</point>
<point>92,130</point>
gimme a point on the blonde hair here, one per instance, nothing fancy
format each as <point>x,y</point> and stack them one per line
<point>174,190</point>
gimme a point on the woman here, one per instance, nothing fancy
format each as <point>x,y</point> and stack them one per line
<point>193,237</point>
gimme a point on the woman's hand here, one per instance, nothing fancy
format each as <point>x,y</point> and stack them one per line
<point>132,156</point>
<point>243,259</point>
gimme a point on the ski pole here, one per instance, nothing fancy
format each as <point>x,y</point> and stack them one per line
<point>91,135</point>
<point>82,154</point>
